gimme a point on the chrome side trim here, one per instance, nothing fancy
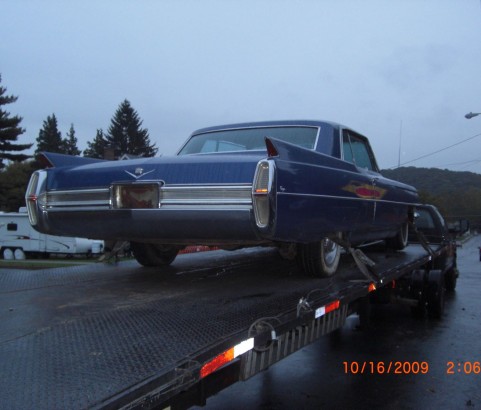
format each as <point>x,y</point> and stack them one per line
<point>199,207</point>
<point>346,198</point>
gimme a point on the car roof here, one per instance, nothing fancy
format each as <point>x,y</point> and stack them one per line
<point>310,123</point>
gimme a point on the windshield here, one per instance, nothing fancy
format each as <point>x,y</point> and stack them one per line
<point>249,139</point>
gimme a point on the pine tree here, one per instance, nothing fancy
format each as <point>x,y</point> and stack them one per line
<point>95,149</point>
<point>10,131</point>
<point>70,143</point>
<point>126,135</point>
<point>49,137</point>
<point>13,182</point>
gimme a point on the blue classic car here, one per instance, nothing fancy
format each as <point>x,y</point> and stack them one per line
<point>307,187</point>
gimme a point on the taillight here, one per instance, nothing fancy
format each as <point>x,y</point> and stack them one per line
<point>34,197</point>
<point>261,189</point>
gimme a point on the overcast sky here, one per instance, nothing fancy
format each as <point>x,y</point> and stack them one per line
<point>396,71</point>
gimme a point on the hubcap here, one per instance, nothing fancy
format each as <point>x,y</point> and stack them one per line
<point>330,249</point>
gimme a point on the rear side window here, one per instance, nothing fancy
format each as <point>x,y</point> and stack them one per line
<point>357,151</point>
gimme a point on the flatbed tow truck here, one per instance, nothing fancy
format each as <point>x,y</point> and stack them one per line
<point>115,336</point>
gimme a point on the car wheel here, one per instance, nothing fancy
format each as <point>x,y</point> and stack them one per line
<point>400,241</point>
<point>319,258</point>
<point>149,254</point>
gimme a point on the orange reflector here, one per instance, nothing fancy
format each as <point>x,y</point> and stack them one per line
<point>332,306</point>
<point>226,357</point>
<point>371,288</point>
<point>217,362</point>
<point>261,191</point>
<point>328,308</point>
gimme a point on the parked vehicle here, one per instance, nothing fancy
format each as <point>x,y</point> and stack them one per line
<point>430,222</point>
<point>18,240</point>
<point>423,288</point>
<point>308,187</point>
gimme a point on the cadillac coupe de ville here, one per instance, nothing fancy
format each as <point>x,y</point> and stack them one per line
<point>306,187</point>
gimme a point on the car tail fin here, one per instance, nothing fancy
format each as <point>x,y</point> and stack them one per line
<point>290,152</point>
<point>271,148</point>
<point>51,160</point>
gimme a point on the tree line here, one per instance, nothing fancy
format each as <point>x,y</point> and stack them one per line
<point>125,135</point>
<point>457,194</point>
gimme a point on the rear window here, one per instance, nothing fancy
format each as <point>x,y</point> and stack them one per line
<point>249,139</point>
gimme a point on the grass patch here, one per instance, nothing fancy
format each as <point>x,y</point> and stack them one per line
<point>40,264</point>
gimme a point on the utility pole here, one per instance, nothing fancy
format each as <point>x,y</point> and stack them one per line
<point>400,138</point>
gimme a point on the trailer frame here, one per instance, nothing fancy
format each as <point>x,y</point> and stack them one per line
<point>310,310</point>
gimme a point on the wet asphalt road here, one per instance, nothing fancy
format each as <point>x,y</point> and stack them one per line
<point>440,360</point>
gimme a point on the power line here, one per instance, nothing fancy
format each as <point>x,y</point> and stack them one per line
<point>465,164</point>
<point>436,152</point>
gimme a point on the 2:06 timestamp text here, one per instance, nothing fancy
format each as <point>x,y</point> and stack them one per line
<point>463,367</point>
<point>389,367</point>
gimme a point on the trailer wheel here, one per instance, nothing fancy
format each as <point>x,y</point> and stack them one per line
<point>400,241</point>
<point>8,254</point>
<point>418,311</point>
<point>319,258</point>
<point>149,254</point>
<point>19,254</point>
<point>417,292</point>
<point>435,294</point>
<point>450,279</point>
<point>364,312</point>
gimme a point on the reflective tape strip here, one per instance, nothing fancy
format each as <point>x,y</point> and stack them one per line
<point>327,308</point>
<point>226,357</point>
<point>243,347</point>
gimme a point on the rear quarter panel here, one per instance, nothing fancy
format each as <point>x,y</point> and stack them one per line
<point>318,195</point>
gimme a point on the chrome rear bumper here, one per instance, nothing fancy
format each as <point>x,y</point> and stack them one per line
<point>185,214</point>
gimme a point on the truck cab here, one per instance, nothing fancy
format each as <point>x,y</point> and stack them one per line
<point>431,224</point>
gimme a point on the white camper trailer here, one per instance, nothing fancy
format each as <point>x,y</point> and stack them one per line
<point>18,240</point>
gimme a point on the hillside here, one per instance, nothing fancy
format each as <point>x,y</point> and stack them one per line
<point>434,180</point>
<point>456,194</point>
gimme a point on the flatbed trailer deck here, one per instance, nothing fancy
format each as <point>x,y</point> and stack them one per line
<point>113,336</point>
